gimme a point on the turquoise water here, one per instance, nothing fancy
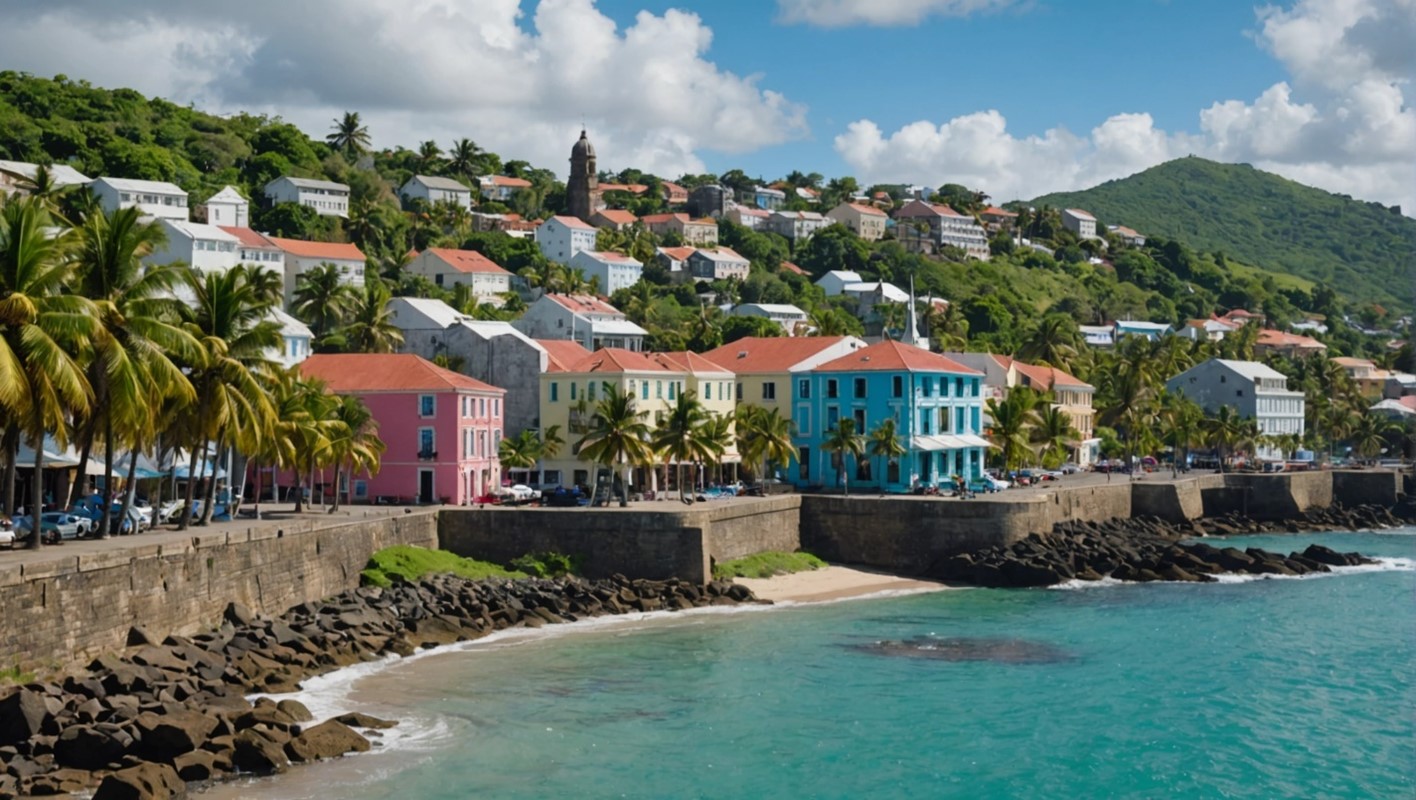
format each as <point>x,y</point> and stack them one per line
<point>1270,688</point>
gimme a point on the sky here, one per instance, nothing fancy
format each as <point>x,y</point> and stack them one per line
<point>1013,97</point>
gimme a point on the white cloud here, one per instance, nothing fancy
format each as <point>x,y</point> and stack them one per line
<point>420,69</point>
<point>1353,131</point>
<point>882,13</point>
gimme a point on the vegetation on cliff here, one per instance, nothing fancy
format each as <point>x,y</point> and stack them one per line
<point>407,564</point>
<point>765,565</point>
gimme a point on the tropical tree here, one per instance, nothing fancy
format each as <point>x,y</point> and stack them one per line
<point>1180,426</point>
<point>1223,431</point>
<point>429,155</point>
<point>322,299</point>
<point>1052,434</point>
<point>371,328</point>
<point>764,437</point>
<point>1371,434</point>
<point>462,158</point>
<point>680,436</point>
<point>1012,421</point>
<point>520,451</point>
<point>355,444</point>
<point>349,136</point>
<point>885,445</point>
<point>842,441</point>
<point>1054,342</point>
<point>617,436</point>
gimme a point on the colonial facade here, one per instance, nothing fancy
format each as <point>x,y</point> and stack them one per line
<point>433,189</point>
<point>302,256</point>
<point>867,222</point>
<point>448,268</point>
<point>560,238</point>
<point>767,366</point>
<point>328,198</point>
<point>581,318</point>
<point>152,198</point>
<point>927,227</point>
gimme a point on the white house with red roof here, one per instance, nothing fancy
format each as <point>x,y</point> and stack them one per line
<point>501,188</point>
<point>257,249</point>
<point>302,256</point>
<point>935,403</point>
<point>756,219</point>
<point>441,429</point>
<point>867,222</point>
<point>448,268</point>
<point>206,248</point>
<point>582,318</point>
<point>926,227</point>
<point>614,271</point>
<point>560,238</point>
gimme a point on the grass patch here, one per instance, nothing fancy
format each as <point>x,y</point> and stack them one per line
<point>15,675</point>
<point>547,565</point>
<point>765,565</point>
<point>405,563</point>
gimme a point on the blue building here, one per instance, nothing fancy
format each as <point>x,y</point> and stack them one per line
<point>937,405</point>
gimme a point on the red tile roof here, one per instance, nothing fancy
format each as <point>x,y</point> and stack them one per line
<point>250,238</point>
<point>632,188</point>
<point>584,304</point>
<point>573,222</point>
<point>919,208</point>
<point>678,253</point>
<point>612,359</point>
<point>466,261</point>
<point>995,211</point>
<point>385,372</point>
<point>673,188</point>
<point>516,183</point>
<point>1272,338</point>
<point>562,354</point>
<point>893,356</point>
<point>618,216</point>
<point>659,219</point>
<point>790,267</point>
<point>870,211</point>
<point>1042,377</point>
<point>328,250</point>
<point>688,361</point>
<point>1080,214</point>
<point>757,354</point>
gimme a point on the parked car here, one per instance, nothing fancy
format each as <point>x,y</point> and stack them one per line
<point>521,493</point>
<point>48,530</point>
<point>998,484</point>
<point>69,526</point>
<point>1070,469</point>
<point>564,497</point>
<point>1052,475</point>
<point>7,533</point>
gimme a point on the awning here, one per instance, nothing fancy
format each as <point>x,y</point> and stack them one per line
<point>971,440</point>
<point>928,443</point>
<point>947,441</point>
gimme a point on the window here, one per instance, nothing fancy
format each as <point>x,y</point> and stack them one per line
<point>425,443</point>
<point>1238,392</point>
<point>944,418</point>
<point>804,462</point>
<point>928,386</point>
<point>958,387</point>
<point>361,489</point>
<point>555,392</point>
<point>658,390</point>
<point>673,389</point>
<point>707,391</point>
<point>427,405</point>
<point>831,389</point>
<point>496,407</point>
<point>833,416</point>
<point>924,426</point>
<point>804,389</point>
<point>960,429</point>
<point>739,392</point>
<point>898,386</point>
<point>591,393</point>
<point>644,389</point>
<point>860,420</point>
<point>769,390</point>
<point>572,391</point>
<point>860,387</point>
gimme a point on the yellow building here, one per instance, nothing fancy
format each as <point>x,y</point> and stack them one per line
<point>767,367</point>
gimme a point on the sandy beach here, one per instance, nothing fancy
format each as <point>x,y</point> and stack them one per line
<point>833,583</point>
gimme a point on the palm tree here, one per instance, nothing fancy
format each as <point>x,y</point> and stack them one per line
<point>680,437</point>
<point>44,188</point>
<point>885,444</point>
<point>841,442</point>
<point>1370,435</point>
<point>462,158</point>
<point>132,371</point>
<point>1010,430</point>
<point>322,299</point>
<point>1052,433</point>
<point>551,444</point>
<point>371,328</point>
<point>1180,421</point>
<point>764,437</point>
<point>1223,431</point>
<point>429,154</point>
<point>618,435</point>
<point>520,451</point>
<point>718,438</point>
<point>1054,343</point>
<point>356,443</point>
<point>349,136</point>
<point>41,330</point>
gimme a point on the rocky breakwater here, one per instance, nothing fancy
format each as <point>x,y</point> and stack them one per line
<point>1138,550</point>
<point>147,722</point>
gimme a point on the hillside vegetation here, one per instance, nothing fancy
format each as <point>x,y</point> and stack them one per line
<point>1362,249</point>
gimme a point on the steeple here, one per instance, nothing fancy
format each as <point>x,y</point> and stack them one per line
<point>583,186</point>
<point>912,336</point>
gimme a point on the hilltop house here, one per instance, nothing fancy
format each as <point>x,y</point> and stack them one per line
<point>767,198</point>
<point>328,198</point>
<point>1287,344</point>
<point>927,227</point>
<point>787,316</point>
<point>673,194</point>
<point>798,226</point>
<point>1079,222</point>
<point>257,249</point>
<point>613,218</point>
<point>442,429</point>
<point>501,188</point>
<point>449,268</point>
<point>615,271</point>
<point>581,318</point>
<point>720,264</point>
<point>751,218</point>
<point>206,248</point>
<point>302,256</point>
<point>867,222</point>
<point>701,232</point>
<point>997,219</point>
<point>295,336</point>
<point>560,238</point>
<point>152,198</point>
<point>1255,391</point>
<point>434,189</point>
<point>227,208</point>
<point>16,175</point>
<point>674,260</point>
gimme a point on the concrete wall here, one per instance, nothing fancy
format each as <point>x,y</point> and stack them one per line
<point>1366,487</point>
<point>740,530</point>
<point>1172,501</point>
<point>72,607</point>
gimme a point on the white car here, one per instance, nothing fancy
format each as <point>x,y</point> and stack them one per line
<point>998,484</point>
<point>521,493</point>
<point>7,533</point>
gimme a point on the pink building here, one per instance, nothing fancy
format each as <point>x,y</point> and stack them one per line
<point>441,428</point>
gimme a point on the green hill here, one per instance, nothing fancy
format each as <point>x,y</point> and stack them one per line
<point>1363,250</point>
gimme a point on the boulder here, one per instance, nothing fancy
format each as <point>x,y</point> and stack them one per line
<point>258,755</point>
<point>23,714</point>
<point>295,710</point>
<point>358,720</point>
<point>145,781</point>
<point>238,615</point>
<point>329,739</point>
<point>165,737</point>
<point>91,746</point>
<point>198,765</point>
<point>138,635</point>
<point>60,781</point>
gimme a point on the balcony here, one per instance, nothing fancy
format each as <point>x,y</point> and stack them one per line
<point>427,455</point>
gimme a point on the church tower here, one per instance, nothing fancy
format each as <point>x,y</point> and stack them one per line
<point>583,188</point>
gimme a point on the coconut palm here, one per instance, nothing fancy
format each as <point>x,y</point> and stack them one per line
<point>1180,422</point>
<point>1370,435</point>
<point>41,381</point>
<point>1052,433</point>
<point>1013,419</point>
<point>1223,431</point>
<point>842,441</point>
<point>43,187</point>
<point>1054,343</point>
<point>764,437</point>
<point>349,136</point>
<point>371,328</point>
<point>322,299</point>
<point>355,441</point>
<point>429,156</point>
<point>885,445</point>
<point>617,436</point>
<point>462,158</point>
<point>680,436</point>
<point>718,438</point>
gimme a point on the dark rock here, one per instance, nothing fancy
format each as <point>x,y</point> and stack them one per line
<point>256,754</point>
<point>165,737</point>
<point>90,747</point>
<point>60,781</point>
<point>138,635</point>
<point>295,710</point>
<point>23,714</point>
<point>142,782</point>
<point>358,720</point>
<point>330,739</point>
<point>238,615</point>
<point>198,765</point>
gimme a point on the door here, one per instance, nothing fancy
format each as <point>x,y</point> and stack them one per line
<point>425,486</point>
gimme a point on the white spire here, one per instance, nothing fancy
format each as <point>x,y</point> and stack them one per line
<point>912,336</point>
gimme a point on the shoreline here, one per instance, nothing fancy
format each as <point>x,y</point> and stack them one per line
<point>836,582</point>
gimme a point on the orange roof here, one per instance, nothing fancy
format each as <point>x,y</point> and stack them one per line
<point>995,211</point>
<point>329,250</point>
<point>573,222</point>
<point>757,354</point>
<point>1272,338</point>
<point>250,238</point>
<point>688,361</point>
<point>871,211</point>
<point>657,219</point>
<point>613,359</point>
<point>385,372</point>
<point>562,354</point>
<point>1041,377</point>
<point>632,188</point>
<point>678,253</point>
<point>617,215</point>
<point>895,356</point>
<point>920,208</point>
<point>673,188</point>
<point>583,303</point>
<point>502,180</point>
<point>466,260</point>
<point>1239,312</point>
<point>1348,361</point>
<point>790,267</point>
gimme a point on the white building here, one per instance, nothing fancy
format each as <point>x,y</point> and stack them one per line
<point>748,217</point>
<point>296,338</point>
<point>581,318</point>
<point>433,190</point>
<point>787,316</point>
<point>227,208</point>
<point>16,175</point>
<point>721,264</point>
<point>1079,222</point>
<point>448,268</point>
<point>152,198</point>
<point>501,188</point>
<point>835,281</point>
<point>796,225</point>
<point>615,271</point>
<point>946,228</point>
<point>257,249</point>
<point>302,256</point>
<point>1255,391</point>
<point>1098,335</point>
<point>326,197</point>
<point>203,247</point>
<point>560,238</point>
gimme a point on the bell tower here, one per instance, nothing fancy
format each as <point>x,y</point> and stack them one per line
<point>583,188</point>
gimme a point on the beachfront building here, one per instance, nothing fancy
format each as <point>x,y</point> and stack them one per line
<point>1064,391</point>
<point>328,198</point>
<point>713,385</point>
<point>936,403</point>
<point>15,176</point>
<point>206,248</point>
<point>152,198</point>
<point>448,268</point>
<point>867,222</point>
<point>582,318</point>
<point>767,367</point>
<point>788,316</point>
<point>560,238</point>
<point>301,257</point>
<point>928,227</point>
<point>614,271</point>
<point>1079,222</point>
<point>1255,391</point>
<point>441,428</point>
<point>433,189</point>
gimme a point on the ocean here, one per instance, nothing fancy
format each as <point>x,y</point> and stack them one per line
<point>1261,688</point>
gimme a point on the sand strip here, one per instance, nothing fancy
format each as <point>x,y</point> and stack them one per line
<point>833,583</point>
